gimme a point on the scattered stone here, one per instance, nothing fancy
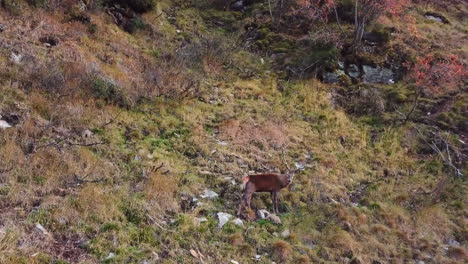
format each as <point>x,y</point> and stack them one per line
<point>274,219</point>
<point>87,133</point>
<point>453,243</point>
<point>230,179</point>
<point>41,229</point>
<point>201,219</point>
<point>222,143</point>
<point>286,233</point>
<point>209,194</point>
<point>16,58</point>
<point>238,222</point>
<point>2,28</point>
<point>223,218</point>
<point>421,262</point>
<point>238,6</point>
<point>347,226</point>
<point>49,41</point>
<point>341,65</point>
<point>437,17</point>
<point>299,166</point>
<point>4,124</point>
<point>262,214</point>
<point>333,77</point>
<point>110,256</point>
<point>353,71</point>
<point>206,173</point>
<point>234,262</point>
<point>377,75</point>
<point>258,257</point>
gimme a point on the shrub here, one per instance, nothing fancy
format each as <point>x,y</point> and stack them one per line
<point>282,250</point>
<point>109,91</point>
<point>139,6</point>
<point>14,7</point>
<point>38,3</point>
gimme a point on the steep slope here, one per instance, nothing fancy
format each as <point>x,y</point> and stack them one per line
<point>115,135</point>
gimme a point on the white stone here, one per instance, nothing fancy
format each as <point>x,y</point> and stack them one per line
<point>223,218</point>
<point>41,229</point>
<point>234,262</point>
<point>16,58</point>
<point>238,222</point>
<point>110,256</point>
<point>285,233</point>
<point>201,219</point>
<point>209,194</point>
<point>4,124</point>
<point>87,133</point>
<point>274,218</point>
<point>263,214</point>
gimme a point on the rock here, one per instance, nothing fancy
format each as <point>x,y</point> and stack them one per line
<point>263,214</point>
<point>206,173</point>
<point>453,243</point>
<point>234,262</point>
<point>49,41</point>
<point>209,194</point>
<point>341,65</point>
<point>238,6</point>
<point>333,77</point>
<point>2,28</point>
<point>201,219</point>
<point>347,226</point>
<point>87,133</point>
<point>223,218</point>
<point>258,257</point>
<point>299,166</point>
<point>16,58</point>
<point>4,124</point>
<point>377,75</point>
<point>286,233</point>
<point>353,71</point>
<point>110,256</point>
<point>437,17</point>
<point>41,229</point>
<point>274,219</point>
<point>238,222</point>
<point>421,262</point>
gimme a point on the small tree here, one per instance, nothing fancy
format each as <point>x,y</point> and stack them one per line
<point>367,11</point>
<point>435,76</point>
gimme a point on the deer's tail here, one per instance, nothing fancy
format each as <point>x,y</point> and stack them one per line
<point>245,180</point>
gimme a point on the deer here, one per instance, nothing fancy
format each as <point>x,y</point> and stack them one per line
<point>266,182</point>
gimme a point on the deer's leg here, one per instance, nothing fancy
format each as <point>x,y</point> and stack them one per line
<point>249,198</point>
<point>275,202</point>
<point>242,202</point>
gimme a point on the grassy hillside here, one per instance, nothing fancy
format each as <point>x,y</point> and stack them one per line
<point>117,124</point>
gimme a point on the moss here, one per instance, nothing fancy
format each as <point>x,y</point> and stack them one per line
<point>110,92</point>
<point>139,6</point>
<point>14,7</point>
<point>224,19</point>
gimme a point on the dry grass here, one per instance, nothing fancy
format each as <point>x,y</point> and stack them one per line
<point>160,190</point>
<point>282,251</point>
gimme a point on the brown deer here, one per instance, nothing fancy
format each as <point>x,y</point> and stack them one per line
<point>267,182</point>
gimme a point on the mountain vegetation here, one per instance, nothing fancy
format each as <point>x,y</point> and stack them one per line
<point>126,128</point>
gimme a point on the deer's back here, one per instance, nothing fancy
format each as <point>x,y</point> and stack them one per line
<point>267,182</point>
